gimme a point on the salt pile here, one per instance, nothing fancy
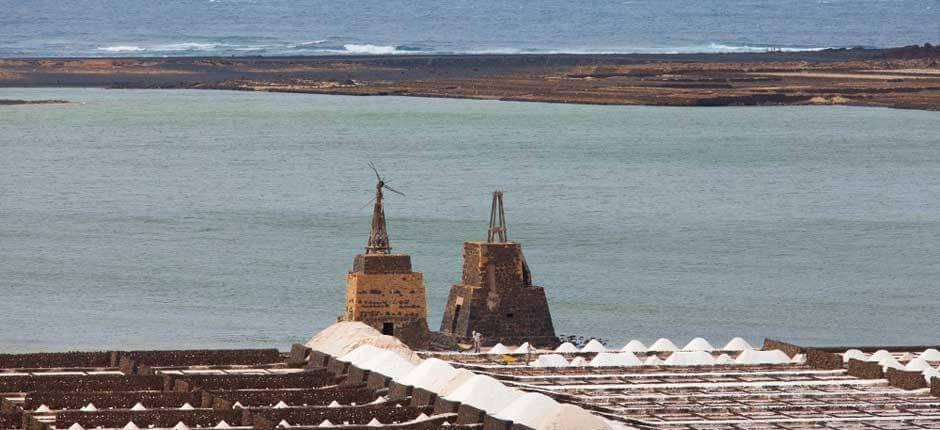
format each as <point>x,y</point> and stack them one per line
<point>283,424</point>
<point>929,374</point>
<point>918,364</point>
<point>432,375</point>
<point>333,404</point>
<point>280,405</point>
<point>223,425</point>
<point>344,337</point>
<point>180,426</point>
<point>662,344</point>
<point>890,362</point>
<point>43,408</point>
<point>138,407</point>
<point>374,423</point>
<point>737,344</point>
<point>594,346</point>
<point>724,359</point>
<point>460,377</point>
<point>388,363</point>
<point>566,347</point>
<point>361,355</point>
<point>325,423</point>
<point>634,346</point>
<point>551,360</point>
<point>653,360</point>
<point>607,359</point>
<point>570,417</point>
<point>578,362</point>
<point>527,409</point>
<point>131,426</point>
<point>690,358</point>
<point>698,344</point>
<point>854,353</point>
<point>930,354</point>
<point>76,426</point>
<point>751,356</point>
<point>525,348</point>
<point>238,405</point>
<point>880,355</point>
<point>498,349</point>
<point>484,393</point>
<point>799,359</point>
<point>90,407</point>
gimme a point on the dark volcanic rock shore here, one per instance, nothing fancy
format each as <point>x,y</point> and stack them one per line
<point>902,77</point>
<point>4,102</point>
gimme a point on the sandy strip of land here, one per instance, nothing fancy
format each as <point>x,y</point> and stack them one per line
<point>901,78</point>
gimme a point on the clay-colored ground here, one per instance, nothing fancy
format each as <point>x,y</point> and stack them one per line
<point>902,78</point>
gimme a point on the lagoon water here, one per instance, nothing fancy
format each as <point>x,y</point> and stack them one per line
<point>165,219</point>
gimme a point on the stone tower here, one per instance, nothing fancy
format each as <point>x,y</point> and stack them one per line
<point>495,296</point>
<point>381,289</point>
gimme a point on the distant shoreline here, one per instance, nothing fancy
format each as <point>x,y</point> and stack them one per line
<point>907,77</point>
<point>7,102</point>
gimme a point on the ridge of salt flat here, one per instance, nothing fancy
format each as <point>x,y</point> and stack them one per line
<point>698,344</point>
<point>566,347</point>
<point>930,354</point>
<point>737,344</point>
<point>432,374</point>
<point>388,363</point>
<point>527,409</point>
<point>634,346</point>
<point>619,359</point>
<point>880,355</point>
<point>578,362</point>
<point>499,348</point>
<point>690,358</point>
<point>751,356</point>
<point>854,353</point>
<point>653,360</point>
<point>724,359</point>
<point>918,364</point>
<point>460,377</point>
<point>568,416</point>
<point>484,393</point>
<point>662,345</point>
<point>550,360</point>
<point>594,346</point>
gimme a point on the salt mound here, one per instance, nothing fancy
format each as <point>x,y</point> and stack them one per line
<point>283,424</point>
<point>653,360</point>
<point>566,347</point>
<point>698,344</point>
<point>186,407</point>
<point>634,346</point>
<point>374,423</point>
<point>138,407</point>
<point>528,409</point>
<point>551,360</point>
<point>929,374</point>
<point>498,349</point>
<point>578,362</point>
<point>361,355</point>
<point>918,364</point>
<point>854,353</point>
<point>432,374</point>
<point>131,426</point>
<point>484,393</point>
<point>43,408</point>
<point>690,358</point>
<point>280,405</point>
<point>880,355</point>
<point>76,426</point>
<point>343,337</point>
<point>223,425</point>
<point>799,359</point>
<point>571,417</point>
<point>389,363</point>
<point>620,359</point>
<point>774,356</point>
<point>724,359</point>
<point>325,423</point>
<point>525,348</point>
<point>662,344</point>
<point>459,378</point>
<point>737,344</point>
<point>890,362</point>
<point>180,426</point>
<point>594,346</point>
<point>333,404</point>
<point>90,407</point>
<point>421,417</point>
<point>930,354</point>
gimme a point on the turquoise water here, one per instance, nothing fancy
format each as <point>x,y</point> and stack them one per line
<point>157,219</point>
<point>321,27</point>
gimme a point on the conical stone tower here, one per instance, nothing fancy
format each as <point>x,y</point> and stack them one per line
<point>382,290</point>
<point>495,296</point>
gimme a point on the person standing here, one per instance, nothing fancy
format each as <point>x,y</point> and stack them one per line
<point>477,341</point>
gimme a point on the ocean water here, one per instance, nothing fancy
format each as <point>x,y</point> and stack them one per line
<point>318,27</point>
<point>167,219</point>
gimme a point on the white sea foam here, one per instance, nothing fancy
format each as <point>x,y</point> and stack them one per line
<point>120,48</point>
<point>371,49</point>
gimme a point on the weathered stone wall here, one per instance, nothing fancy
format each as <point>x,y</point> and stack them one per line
<point>497,298</point>
<point>904,379</point>
<point>865,369</point>
<point>382,263</point>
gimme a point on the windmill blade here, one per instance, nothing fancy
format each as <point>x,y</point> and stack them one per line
<point>367,203</point>
<point>394,190</point>
<point>376,171</point>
